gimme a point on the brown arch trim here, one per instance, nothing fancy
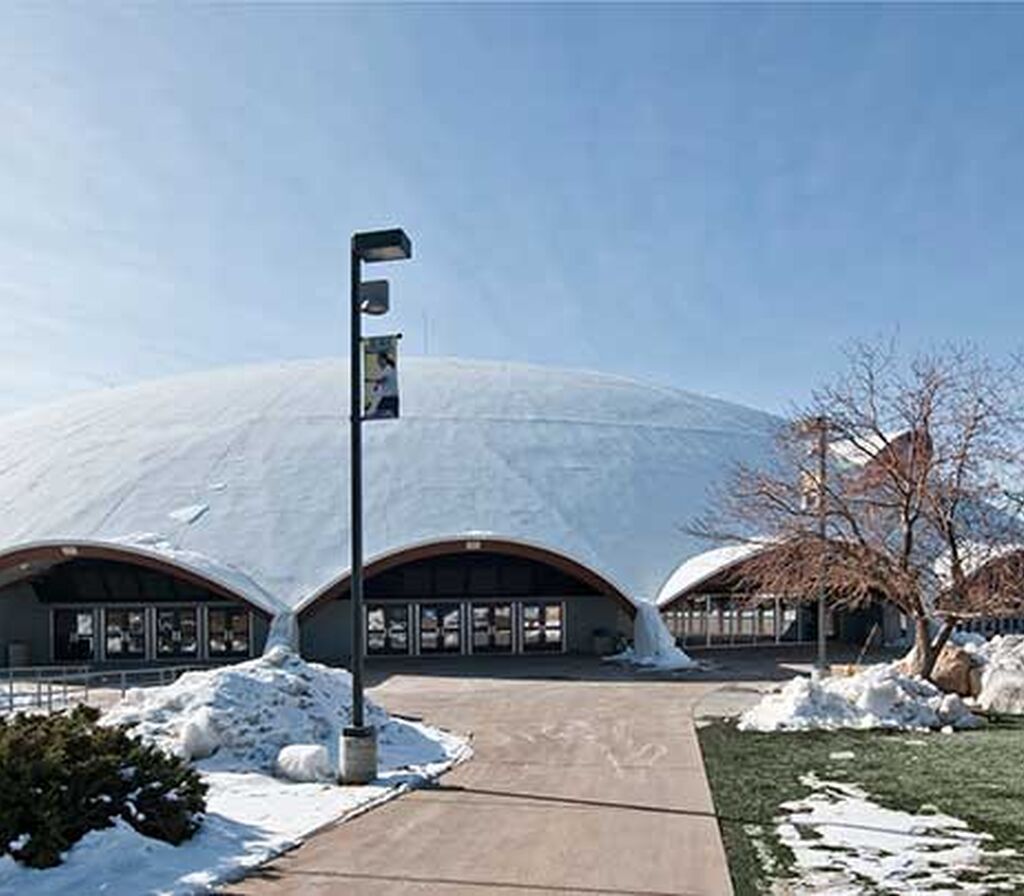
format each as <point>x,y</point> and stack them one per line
<point>471,545</point>
<point>38,558</point>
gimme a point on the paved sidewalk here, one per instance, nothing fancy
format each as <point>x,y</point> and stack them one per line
<point>576,787</point>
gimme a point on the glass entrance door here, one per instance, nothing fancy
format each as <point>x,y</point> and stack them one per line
<point>440,628</point>
<point>73,635</point>
<point>125,633</point>
<point>543,630</point>
<point>387,629</point>
<point>492,628</point>
<point>177,632</point>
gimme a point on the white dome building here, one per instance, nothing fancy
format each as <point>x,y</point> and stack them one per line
<point>511,509</point>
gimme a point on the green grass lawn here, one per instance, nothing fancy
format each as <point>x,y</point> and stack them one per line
<point>977,776</point>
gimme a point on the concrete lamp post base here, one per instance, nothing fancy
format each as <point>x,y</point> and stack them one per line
<point>358,755</point>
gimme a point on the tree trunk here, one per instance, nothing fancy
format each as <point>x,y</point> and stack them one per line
<point>938,644</point>
<point>921,660</point>
<point>926,652</point>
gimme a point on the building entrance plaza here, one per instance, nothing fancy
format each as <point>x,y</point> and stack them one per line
<point>585,779</point>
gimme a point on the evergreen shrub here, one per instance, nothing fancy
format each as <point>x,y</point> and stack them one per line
<point>63,775</point>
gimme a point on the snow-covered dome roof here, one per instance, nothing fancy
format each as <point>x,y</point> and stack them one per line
<point>242,473</point>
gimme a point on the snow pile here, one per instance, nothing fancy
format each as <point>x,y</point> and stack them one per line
<point>653,644</point>
<point>276,714</point>
<point>843,843</point>
<point>878,697</point>
<point>1002,681</point>
<point>304,763</point>
<point>247,712</point>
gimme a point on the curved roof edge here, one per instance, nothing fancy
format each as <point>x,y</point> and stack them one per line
<point>155,554</point>
<point>468,542</point>
<point>696,570</point>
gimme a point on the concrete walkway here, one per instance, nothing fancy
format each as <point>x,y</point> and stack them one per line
<point>592,786</point>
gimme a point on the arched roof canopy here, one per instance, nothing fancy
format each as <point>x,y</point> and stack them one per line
<point>468,545</point>
<point>718,570</point>
<point>35,559</point>
<point>854,573</point>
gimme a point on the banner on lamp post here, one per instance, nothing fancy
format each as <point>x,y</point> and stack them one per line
<point>380,377</point>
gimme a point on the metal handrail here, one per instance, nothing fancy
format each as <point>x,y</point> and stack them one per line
<point>44,687</point>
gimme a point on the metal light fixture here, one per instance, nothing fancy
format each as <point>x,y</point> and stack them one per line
<point>382,245</point>
<point>373,297</point>
<point>359,740</point>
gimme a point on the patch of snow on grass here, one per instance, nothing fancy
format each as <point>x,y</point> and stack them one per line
<point>843,843</point>
<point>878,697</point>
<point>241,718</point>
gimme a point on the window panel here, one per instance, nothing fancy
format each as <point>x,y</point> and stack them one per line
<point>124,633</point>
<point>228,632</point>
<point>440,628</point>
<point>542,627</point>
<point>387,629</point>
<point>177,632</point>
<point>492,628</point>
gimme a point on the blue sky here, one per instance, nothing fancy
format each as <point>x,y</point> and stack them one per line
<point>717,198</point>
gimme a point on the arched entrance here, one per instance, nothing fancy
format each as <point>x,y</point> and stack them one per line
<point>471,597</point>
<point>98,604</point>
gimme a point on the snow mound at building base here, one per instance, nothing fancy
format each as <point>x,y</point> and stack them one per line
<point>653,645</point>
<point>242,716</point>
<point>878,697</point>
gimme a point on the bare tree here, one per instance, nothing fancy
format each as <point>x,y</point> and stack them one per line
<point>915,495</point>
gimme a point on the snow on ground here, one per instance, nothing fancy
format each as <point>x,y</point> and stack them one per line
<point>653,645</point>
<point>247,712</point>
<point>240,717</point>
<point>1002,682</point>
<point>24,697</point>
<point>883,697</point>
<point>845,844</point>
<point>878,697</point>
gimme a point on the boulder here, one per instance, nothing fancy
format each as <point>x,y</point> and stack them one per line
<point>953,672</point>
<point>956,671</point>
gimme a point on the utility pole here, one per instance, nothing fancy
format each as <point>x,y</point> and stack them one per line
<point>821,423</point>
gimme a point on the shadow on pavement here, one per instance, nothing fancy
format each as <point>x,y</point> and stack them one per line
<point>725,664</point>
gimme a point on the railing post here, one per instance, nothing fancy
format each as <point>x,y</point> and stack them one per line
<point>124,683</point>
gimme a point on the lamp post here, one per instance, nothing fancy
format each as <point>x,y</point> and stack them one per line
<point>359,740</point>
